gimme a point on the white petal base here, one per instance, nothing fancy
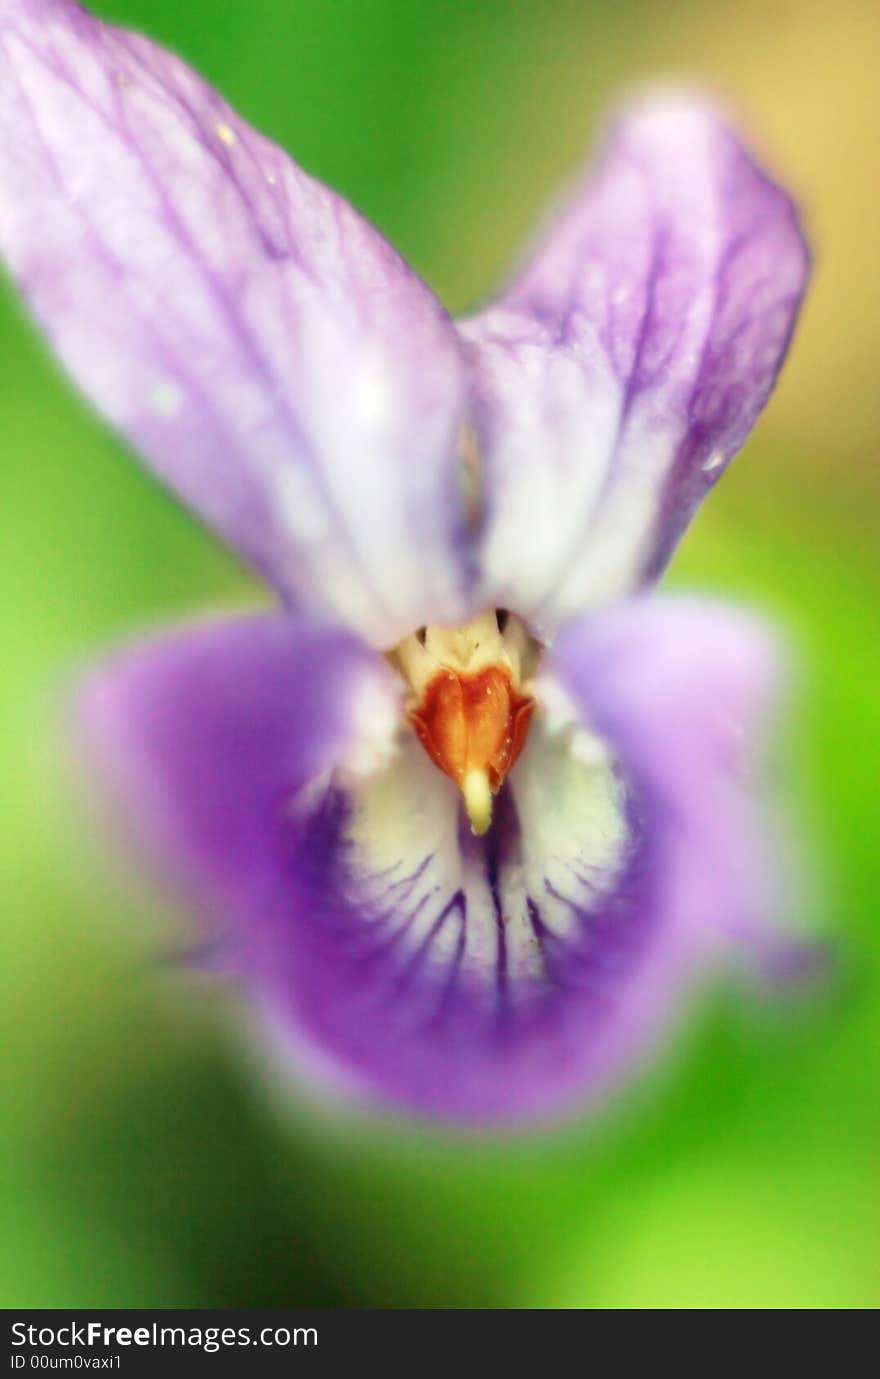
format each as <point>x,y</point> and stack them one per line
<point>467,907</point>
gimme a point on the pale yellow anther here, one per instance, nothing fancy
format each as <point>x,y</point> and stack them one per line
<point>478,800</point>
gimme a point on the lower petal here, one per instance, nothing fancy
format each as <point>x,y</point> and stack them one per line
<point>523,973</point>
<point>391,956</point>
<point>456,976</point>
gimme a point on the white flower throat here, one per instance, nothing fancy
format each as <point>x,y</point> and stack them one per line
<point>471,701</point>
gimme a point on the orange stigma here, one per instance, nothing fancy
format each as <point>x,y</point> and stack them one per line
<point>473,724</point>
<point>468,709</point>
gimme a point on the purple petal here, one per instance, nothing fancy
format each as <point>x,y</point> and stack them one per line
<point>387,953</point>
<point>264,348</point>
<point>626,365</point>
<point>523,974</point>
<point>681,688</point>
<point>204,735</point>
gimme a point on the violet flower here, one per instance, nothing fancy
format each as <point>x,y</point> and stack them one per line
<point>459,520</point>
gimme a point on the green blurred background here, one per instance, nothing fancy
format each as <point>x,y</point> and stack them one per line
<point>144,1162</point>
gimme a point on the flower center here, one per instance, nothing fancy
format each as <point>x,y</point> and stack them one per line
<point>470,703</point>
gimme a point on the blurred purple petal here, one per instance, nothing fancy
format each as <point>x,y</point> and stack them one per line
<point>626,365</point>
<point>203,735</point>
<point>265,349</point>
<point>391,955</point>
<point>682,689</point>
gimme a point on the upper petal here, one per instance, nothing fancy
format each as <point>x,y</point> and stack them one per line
<point>626,365</point>
<point>265,349</point>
